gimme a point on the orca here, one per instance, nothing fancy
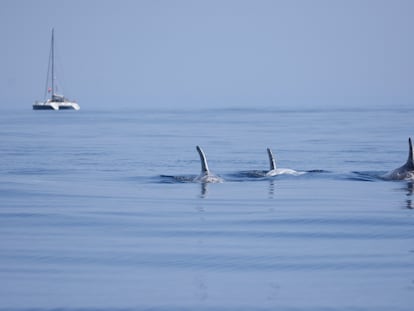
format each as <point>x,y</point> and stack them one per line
<point>405,172</point>
<point>205,176</point>
<point>273,170</point>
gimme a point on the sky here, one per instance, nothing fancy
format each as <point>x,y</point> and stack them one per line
<point>171,54</point>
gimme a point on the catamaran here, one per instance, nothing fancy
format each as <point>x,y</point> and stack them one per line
<point>56,101</point>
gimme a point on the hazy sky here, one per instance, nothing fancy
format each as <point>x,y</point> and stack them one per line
<point>150,54</point>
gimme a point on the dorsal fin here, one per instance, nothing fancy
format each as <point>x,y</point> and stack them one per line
<point>410,160</point>
<point>272,161</point>
<point>204,165</point>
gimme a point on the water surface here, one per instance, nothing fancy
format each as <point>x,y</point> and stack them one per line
<point>89,222</point>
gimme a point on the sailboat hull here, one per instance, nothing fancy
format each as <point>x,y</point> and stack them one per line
<point>45,106</point>
<point>50,105</point>
<point>42,107</point>
<point>68,106</point>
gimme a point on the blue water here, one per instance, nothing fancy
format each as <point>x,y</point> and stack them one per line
<point>94,215</point>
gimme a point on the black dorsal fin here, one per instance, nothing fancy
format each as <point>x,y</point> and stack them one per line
<point>204,165</point>
<point>410,160</point>
<point>272,161</point>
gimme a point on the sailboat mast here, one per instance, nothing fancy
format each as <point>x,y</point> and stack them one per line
<point>53,62</point>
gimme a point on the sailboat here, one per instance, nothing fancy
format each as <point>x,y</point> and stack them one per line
<point>56,101</point>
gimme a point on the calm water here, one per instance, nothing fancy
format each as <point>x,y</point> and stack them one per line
<point>88,222</point>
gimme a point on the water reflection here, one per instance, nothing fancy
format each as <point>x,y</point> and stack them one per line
<point>271,189</point>
<point>199,280</point>
<point>410,190</point>
<point>204,190</point>
<point>273,291</point>
<point>200,286</point>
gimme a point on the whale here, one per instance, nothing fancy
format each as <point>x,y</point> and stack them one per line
<point>206,176</point>
<point>406,171</point>
<point>274,171</point>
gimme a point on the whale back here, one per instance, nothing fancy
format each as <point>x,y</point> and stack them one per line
<point>206,176</point>
<point>204,165</point>
<point>272,162</point>
<point>405,172</point>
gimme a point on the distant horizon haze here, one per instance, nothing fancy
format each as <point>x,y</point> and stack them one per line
<point>210,54</point>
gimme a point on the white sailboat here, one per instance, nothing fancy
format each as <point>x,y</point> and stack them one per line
<point>56,101</point>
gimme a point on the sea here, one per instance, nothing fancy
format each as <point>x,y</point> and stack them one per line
<point>99,210</point>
